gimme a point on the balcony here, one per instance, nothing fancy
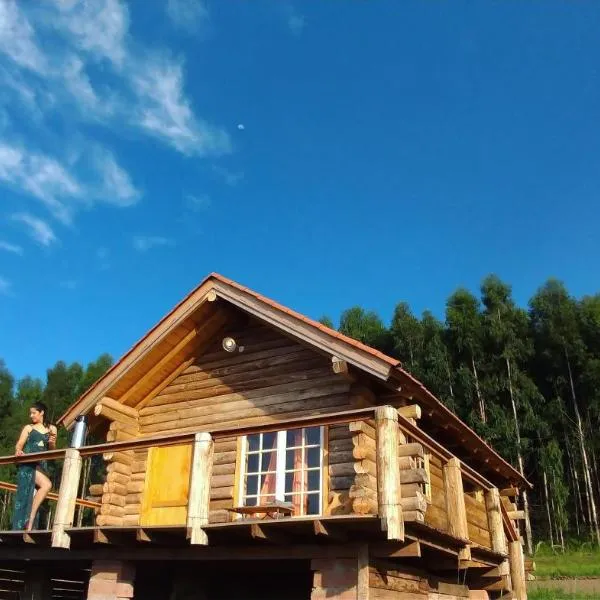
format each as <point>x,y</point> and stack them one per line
<point>370,474</point>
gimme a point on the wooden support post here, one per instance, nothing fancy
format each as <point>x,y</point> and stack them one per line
<point>455,505</point>
<point>388,472</point>
<point>496,527</point>
<point>362,583</point>
<point>517,570</point>
<point>200,476</point>
<point>495,524</point>
<point>67,495</point>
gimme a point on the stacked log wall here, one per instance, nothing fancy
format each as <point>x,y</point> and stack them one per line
<point>437,512</point>
<point>413,479</point>
<point>273,378</point>
<point>477,519</point>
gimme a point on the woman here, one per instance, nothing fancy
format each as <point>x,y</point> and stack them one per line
<point>37,437</point>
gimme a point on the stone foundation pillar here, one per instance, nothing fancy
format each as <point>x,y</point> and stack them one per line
<point>341,578</point>
<point>111,580</point>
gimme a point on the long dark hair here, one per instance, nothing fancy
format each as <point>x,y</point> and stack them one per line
<point>41,407</point>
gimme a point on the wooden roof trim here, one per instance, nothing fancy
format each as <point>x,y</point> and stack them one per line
<point>307,331</point>
<point>139,350</point>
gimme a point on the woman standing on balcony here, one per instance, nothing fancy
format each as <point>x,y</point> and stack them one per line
<point>37,437</point>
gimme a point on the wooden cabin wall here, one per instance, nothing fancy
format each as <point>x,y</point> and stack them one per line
<point>437,512</point>
<point>273,378</point>
<point>477,520</point>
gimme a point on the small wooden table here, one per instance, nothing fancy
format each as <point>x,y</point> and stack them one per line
<point>274,510</point>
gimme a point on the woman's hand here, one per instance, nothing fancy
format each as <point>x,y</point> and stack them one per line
<point>52,436</point>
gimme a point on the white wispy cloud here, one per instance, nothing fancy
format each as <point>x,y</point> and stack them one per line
<point>11,247</point>
<point>116,185</point>
<point>17,38</point>
<point>187,15</point>
<point>5,287</point>
<point>231,178</point>
<point>197,202</point>
<point>79,61</point>
<point>164,111</point>
<point>38,229</point>
<point>143,243</point>
<point>39,175</point>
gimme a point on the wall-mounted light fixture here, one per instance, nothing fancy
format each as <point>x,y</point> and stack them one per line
<point>229,344</point>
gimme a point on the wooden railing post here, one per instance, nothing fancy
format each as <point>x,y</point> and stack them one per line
<point>517,570</point>
<point>67,495</point>
<point>496,526</point>
<point>388,472</point>
<point>455,504</point>
<point>200,476</point>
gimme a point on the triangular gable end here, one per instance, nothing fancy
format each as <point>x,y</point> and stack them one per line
<point>164,351</point>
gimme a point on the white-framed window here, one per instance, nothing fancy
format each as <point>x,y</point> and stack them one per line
<point>285,466</point>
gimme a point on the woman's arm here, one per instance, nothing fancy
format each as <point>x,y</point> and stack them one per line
<point>22,439</point>
<point>52,437</point>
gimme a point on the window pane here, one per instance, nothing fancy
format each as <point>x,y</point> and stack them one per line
<point>289,481</point>
<point>314,481</point>
<point>267,484</point>
<point>253,442</point>
<point>250,502</point>
<point>269,440</point>
<point>252,463</point>
<point>266,500</point>
<point>268,461</point>
<point>252,484</point>
<point>313,436</point>
<point>313,457</point>
<point>294,438</point>
<point>312,504</point>
<point>293,459</point>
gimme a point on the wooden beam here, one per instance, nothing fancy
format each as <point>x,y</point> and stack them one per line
<point>516,515</point>
<point>388,472</point>
<point>328,530</point>
<point>455,504</point>
<point>412,411</point>
<point>268,534</point>
<point>339,366</point>
<point>511,491</point>
<point>67,495</point>
<point>408,549</point>
<point>160,365</point>
<point>199,499</point>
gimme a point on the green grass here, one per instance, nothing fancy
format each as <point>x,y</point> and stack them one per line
<point>582,560</point>
<point>558,595</point>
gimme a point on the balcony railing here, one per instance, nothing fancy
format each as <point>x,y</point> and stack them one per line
<point>379,463</point>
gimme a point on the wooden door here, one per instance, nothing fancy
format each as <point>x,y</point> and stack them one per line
<point>167,486</point>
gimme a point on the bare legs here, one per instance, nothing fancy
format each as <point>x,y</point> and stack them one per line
<point>43,485</point>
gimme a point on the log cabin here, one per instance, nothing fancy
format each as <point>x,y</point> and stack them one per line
<point>251,452</point>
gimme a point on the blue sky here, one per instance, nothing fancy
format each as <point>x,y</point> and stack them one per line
<point>325,153</point>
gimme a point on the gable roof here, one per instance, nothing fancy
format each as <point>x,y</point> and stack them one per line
<point>387,370</point>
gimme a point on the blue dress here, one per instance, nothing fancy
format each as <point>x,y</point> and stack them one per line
<point>36,442</point>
